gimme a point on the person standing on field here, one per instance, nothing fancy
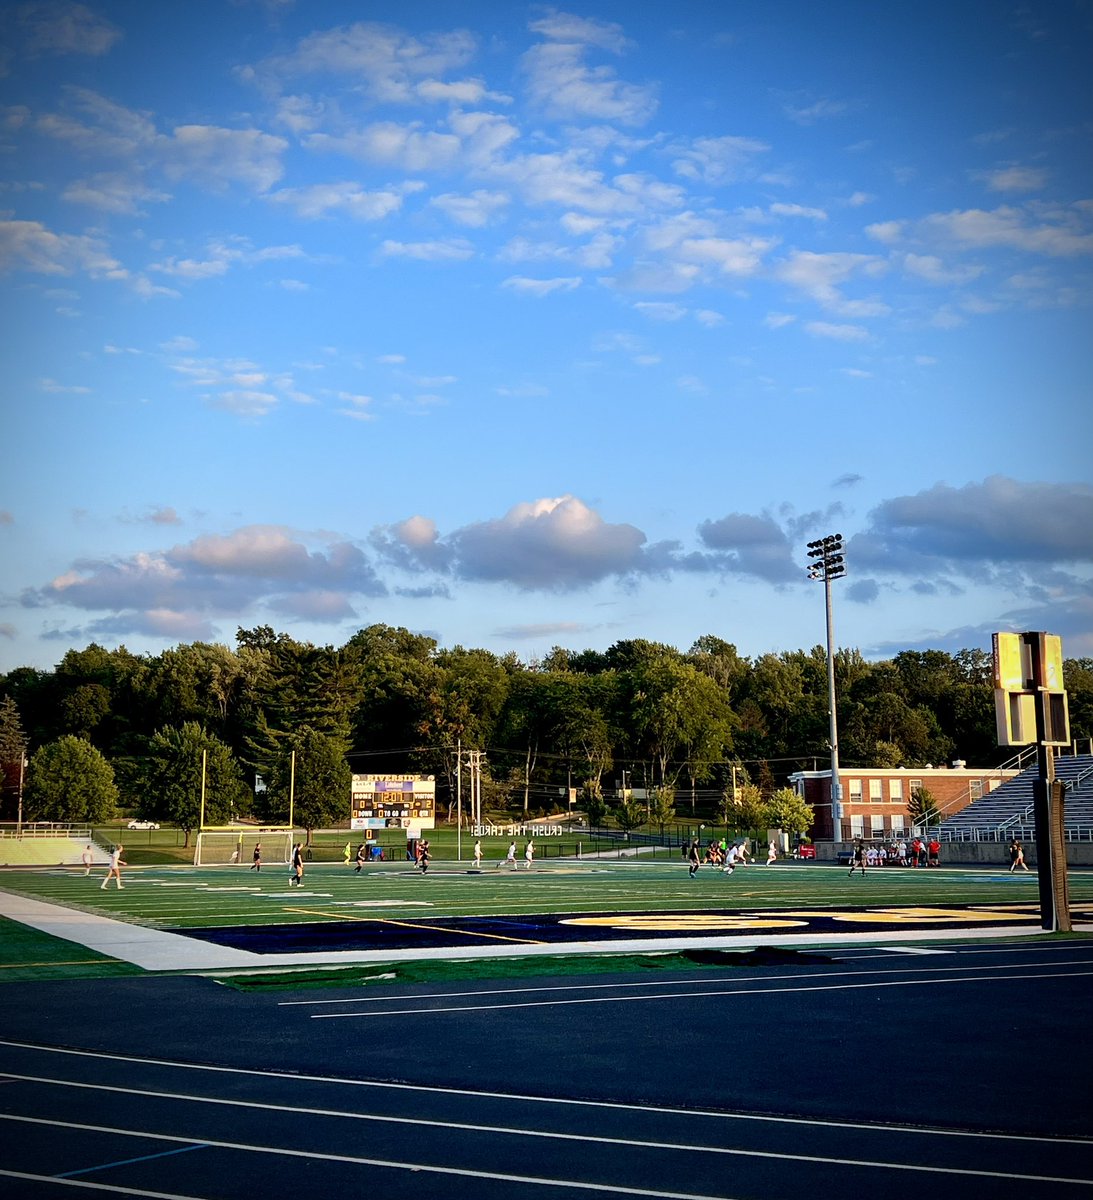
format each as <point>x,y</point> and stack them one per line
<point>529,853</point>
<point>694,858</point>
<point>478,854</point>
<point>256,864</point>
<point>114,870</point>
<point>87,858</point>
<point>297,876</point>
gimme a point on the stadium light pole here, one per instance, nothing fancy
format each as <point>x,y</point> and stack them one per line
<point>828,564</point>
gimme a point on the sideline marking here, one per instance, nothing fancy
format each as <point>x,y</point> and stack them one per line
<point>666,983</point>
<point>585,1185</point>
<point>735,992</point>
<point>915,950</point>
<point>561,1101</point>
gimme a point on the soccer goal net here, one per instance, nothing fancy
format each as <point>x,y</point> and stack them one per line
<point>223,847</point>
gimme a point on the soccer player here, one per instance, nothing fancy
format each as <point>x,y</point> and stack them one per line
<point>362,857</point>
<point>114,870</point>
<point>478,854</point>
<point>87,858</point>
<point>297,876</point>
<point>256,865</point>
<point>694,858</point>
<point>858,857</point>
<point>529,853</point>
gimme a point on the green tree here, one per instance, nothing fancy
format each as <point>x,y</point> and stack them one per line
<point>786,810</point>
<point>13,741</point>
<point>595,807</point>
<point>70,780</point>
<point>319,779</point>
<point>662,806</point>
<point>922,807</point>
<point>744,810</point>
<point>630,813</point>
<point>173,779</point>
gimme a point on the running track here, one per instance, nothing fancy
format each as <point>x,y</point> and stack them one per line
<point>963,1070</point>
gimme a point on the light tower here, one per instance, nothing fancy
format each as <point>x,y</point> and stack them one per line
<point>827,564</point>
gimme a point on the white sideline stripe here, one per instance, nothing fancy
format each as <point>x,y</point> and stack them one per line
<point>27,1177</point>
<point>657,983</point>
<point>562,1101</point>
<point>359,1160</point>
<point>738,991</point>
<point>915,950</point>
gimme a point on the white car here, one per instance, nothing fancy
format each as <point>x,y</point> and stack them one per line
<point>142,825</point>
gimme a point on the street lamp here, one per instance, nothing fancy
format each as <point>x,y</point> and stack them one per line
<point>828,564</point>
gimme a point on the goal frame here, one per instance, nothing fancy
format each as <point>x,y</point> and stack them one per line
<point>215,844</point>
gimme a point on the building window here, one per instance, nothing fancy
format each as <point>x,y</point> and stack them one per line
<point>853,787</point>
<point>876,824</point>
<point>975,789</point>
<point>895,791</point>
<point>857,826</point>
<point>916,786</point>
<point>875,795</point>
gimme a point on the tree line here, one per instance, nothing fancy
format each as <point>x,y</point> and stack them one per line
<point>108,729</point>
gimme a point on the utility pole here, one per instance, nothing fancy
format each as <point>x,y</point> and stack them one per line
<point>827,564</point>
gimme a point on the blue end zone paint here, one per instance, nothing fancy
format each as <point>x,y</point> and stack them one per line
<point>409,933</point>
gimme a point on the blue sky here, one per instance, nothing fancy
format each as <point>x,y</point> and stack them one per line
<point>526,326</point>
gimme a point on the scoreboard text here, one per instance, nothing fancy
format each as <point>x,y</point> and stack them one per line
<point>392,802</point>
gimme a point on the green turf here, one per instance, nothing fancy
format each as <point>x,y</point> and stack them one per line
<point>188,897</point>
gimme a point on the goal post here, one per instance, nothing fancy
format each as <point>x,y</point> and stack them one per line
<point>235,847</point>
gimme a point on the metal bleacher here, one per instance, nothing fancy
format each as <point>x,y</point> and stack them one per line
<point>1007,811</point>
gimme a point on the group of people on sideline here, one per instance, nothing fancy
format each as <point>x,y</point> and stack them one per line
<point>916,853</point>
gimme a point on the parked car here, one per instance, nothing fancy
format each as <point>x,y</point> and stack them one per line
<point>142,825</point>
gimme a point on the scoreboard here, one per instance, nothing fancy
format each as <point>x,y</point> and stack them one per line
<point>392,802</point>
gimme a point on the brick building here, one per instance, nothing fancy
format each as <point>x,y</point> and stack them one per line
<point>875,801</point>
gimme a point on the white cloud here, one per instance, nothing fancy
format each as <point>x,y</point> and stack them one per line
<point>805,111</point>
<point>820,276</point>
<point>717,161</point>
<point>798,210</point>
<point>215,158</point>
<point>30,246</point>
<point>933,270</point>
<point>1014,179</point>
<point>659,310</point>
<point>554,544</point>
<point>840,333</point>
<point>54,27</point>
<point>563,85</point>
<point>540,287</point>
<point>384,62</point>
<point>348,199</point>
<point>113,193</point>
<point>452,250</point>
<point>475,210</point>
